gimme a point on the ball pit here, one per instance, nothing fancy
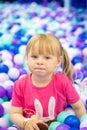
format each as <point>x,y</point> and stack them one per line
<point>14,36</point>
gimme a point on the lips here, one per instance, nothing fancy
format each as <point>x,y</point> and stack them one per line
<point>39,69</point>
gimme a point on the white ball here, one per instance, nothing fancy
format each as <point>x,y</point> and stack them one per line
<point>3,77</point>
<point>8,83</point>
<point>70,110</point>
<point>18,59</point>
<point>13,73</point>
<point>22,49</point>
<point>12,128</point>
<point>4,122</point>
<point>6,106</point>
<point>78,66</point>
<point>6,55</point>
<point>9,63</point>
<point>83,123</point>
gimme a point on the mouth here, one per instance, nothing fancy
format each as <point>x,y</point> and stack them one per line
<point>39,69</point>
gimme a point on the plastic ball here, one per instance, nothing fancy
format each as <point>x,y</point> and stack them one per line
<point>22,71</point>
<point>9,92</point>
<point>1,110</point>
<point>13,73</point>
<point>7,116</point>
<point>5,98</point>
<point>6,55</point>
<point>12,128</point>
<point>6,105</point>
<point>2,92</point>
<point>8,83</point>
<point>8,63</point>
<point>4,68</point>
<point>83,118</point>
<point>76,60</point>
<point>72,121</point>
<point>83,123</point>
<point>73,128</point>
<point>18,59</point>
<point>70,110</point>
<point>78,65</point>
<point>84,128</point>
<point>22,49</point>
<point>62,115</point>
<point>4,122</point>
<point>54,125</point>
<point>1,100</point>
<point>1,128</point>
<point>63,127</point>
<point>3,77</point>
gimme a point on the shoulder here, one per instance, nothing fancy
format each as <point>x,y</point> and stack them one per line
<point>61,77</point>
<point>62,80</point>
<point>23,80</point>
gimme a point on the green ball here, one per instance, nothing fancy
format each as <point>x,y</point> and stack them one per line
<point>62,115</point>
<point>1,100</point>
<point>83,118</point>
<point>5,98</point>
<point>54,125</point>
<point>7,116</point>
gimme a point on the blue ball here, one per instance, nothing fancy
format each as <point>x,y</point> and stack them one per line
<point>73,128</point>
<point>1,110</point>
<point>72,121</point>
<point>4,68</point>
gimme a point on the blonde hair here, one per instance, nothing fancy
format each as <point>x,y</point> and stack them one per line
<point>50,44</point>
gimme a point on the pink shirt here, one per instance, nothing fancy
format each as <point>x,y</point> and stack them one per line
<point>45,102</point>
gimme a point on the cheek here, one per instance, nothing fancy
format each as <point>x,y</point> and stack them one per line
<point>30,64</point>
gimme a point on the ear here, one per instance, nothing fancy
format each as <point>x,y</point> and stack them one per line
<point>59,61</point>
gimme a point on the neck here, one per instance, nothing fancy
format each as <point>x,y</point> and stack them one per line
<point>41,81</point>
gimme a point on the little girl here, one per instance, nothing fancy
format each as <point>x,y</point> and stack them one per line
<point>41,95</point>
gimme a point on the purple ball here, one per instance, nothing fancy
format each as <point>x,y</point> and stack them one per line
<point>1,110</point>
<point>9,90</point>
<point>1,128</point>
<point>2,92</point>
<point>84,128</point>
<point>63,127</point>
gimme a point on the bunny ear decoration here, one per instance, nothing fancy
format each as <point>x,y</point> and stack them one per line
<point>51,107</point>
<point>38,108</point>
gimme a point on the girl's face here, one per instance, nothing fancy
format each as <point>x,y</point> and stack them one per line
<point>42,64</point>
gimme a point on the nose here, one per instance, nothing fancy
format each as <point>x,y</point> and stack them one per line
<point>40,61</point>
